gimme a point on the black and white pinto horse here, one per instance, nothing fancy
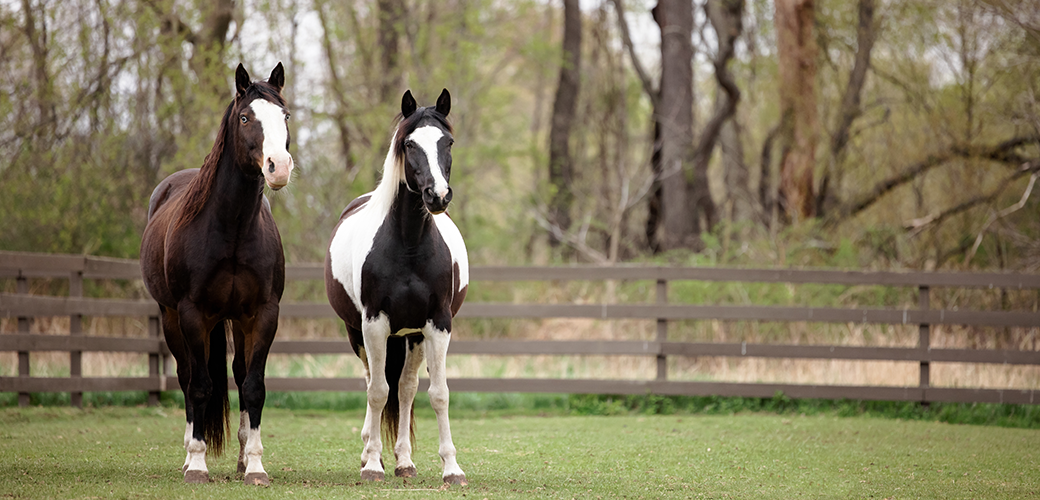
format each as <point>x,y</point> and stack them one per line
<point>396,272</point>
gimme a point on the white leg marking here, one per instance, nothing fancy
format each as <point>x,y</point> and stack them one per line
<point>197,456</point>
<point>407,387</point>
<point>375,333</point>
<point>188,429</point>
<point>254,450</point>
<point>436,352</point>
<point>243,435</point>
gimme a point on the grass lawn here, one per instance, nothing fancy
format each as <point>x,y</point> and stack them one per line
<point>119,452</point>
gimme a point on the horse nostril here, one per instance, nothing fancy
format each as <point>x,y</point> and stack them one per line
<point>447,197</point>
<point>270,165</point>
<point>428,192</point>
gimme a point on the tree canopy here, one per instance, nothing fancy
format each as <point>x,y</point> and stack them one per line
<point>875,133</point>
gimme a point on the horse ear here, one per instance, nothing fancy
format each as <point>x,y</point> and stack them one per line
<point>408,105</point>
<point>444,103</point>
<point>277,77</point>
<point>242,81</point>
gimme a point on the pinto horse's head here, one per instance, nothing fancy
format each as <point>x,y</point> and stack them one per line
<point>425,146</point>
<point>260,127</point>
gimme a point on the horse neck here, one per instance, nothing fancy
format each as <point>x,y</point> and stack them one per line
<point>235,197</point>
<point>410,217</point>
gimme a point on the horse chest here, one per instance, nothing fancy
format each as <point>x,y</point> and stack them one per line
<point>230,291</point>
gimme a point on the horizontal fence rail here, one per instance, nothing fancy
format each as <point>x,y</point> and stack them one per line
<point>23,266</point>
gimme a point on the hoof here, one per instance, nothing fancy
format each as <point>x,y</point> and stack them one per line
<point>196,477</point>
<point>257,479</point>
<point>459,479</point>
<point>405,471</point>
<point>371,475</point>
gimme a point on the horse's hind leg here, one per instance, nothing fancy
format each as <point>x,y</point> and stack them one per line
<point>256,345</point>
<point>375,333</point>
<point>436,347</point>
<point>238,367</point>
<point>407,387</point>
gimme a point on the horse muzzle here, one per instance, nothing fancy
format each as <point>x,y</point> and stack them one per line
<point>434,203</point>
<point>277,170</point>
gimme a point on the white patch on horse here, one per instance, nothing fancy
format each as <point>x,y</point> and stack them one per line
<point>426,138</point>
<point>276,133</point>
<point>456,246</point>
<point>436,348</point>
<point>251,448</point>
<point>197,456</point>
<point>349,249</point>
<point>188,429</point>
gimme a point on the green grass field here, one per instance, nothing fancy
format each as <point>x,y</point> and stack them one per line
<point>120,452</point>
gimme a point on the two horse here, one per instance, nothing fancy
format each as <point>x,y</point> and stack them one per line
<point>396,272</point>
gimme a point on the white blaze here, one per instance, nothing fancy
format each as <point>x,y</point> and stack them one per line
<point>427,137</point>
<point>276,132</point>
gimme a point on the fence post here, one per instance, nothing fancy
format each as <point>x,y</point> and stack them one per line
<point>924,339</point>
<point>23,328</point>
<point>153,360</point>
<point>75,330</point>
<point>662,329</point>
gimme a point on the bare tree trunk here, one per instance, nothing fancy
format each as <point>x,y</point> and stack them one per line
<point>725,17</point>
<point>850,106</point>
<point>338,91</point>
<point>36,33</point>
<point>796,49</point>
<point>677,228</point>
<point>391,20</point>
<point>561,169</point>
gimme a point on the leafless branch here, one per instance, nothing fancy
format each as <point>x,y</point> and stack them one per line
<point>1000,215</point>
<point>1001,152</point>
<point>916,226</point>
<point>626,37</point>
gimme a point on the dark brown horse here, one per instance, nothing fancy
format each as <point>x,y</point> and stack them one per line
<point>212,257</point>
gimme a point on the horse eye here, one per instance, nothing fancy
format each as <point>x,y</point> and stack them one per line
<point>244,119</point>
<point>451,142</point>
<point>287,117</point>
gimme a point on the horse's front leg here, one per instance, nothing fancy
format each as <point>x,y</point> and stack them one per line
<point>195,332</point>
<point>406,389</point>
<point>175,342</point>
<point>436,347</point>
<point>258,336</point>
<point>375,334</point>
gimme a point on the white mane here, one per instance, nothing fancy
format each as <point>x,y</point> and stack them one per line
<point>393,175</point>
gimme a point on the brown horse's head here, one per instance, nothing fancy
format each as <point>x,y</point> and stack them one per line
<point>259,127</point>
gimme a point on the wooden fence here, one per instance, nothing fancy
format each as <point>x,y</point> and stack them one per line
<point>24,266</point>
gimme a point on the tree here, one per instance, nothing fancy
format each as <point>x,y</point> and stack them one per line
<point>866,34</point>
<point>678,227</point>
<point>796,54</point>
<point>391,25</point>
<point>561,168</point>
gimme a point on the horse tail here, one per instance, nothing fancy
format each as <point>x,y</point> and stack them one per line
<point>396,350</point>
<point>215,423</point>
